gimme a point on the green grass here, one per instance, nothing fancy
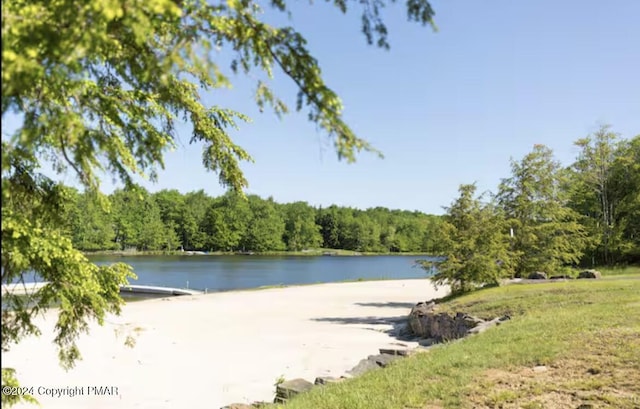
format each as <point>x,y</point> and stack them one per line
<point>618,271</point>
<point>586,332</point>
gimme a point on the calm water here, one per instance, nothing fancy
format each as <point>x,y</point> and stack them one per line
<point>221,273</point>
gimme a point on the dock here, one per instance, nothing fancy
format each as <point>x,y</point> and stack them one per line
<point>30,288</point>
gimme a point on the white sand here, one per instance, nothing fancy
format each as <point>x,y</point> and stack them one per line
<point>211,350</point>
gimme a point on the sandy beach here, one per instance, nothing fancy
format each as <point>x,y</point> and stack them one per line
<point>211,350</point>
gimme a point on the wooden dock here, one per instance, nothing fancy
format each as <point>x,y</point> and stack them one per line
<point>30,288</point>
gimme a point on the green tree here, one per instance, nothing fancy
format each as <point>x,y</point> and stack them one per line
<point>137,221</point>
<point>595,191</point>
<point>265,228</point>
<point>92,225</point>
<point>409,234</point>
<point>430,243</point>
<point>626,183</point>
<point>475,246</point>
<point>547,233</point>
<point>327,219</point>
<point>301,230</point>
<point>100,86</point>
<point>192,226</point>
<point>361,234</point>
<point>171,204</point>
<point>226,223</point>
<point>33,209</point>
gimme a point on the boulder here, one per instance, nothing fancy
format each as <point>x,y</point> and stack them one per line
<point>561,277</point>
<point>538,275</point>
<point>288,389</point>
<point>384,360</point>
<point>488,324</point>
<point>363,366</point>
<point>590,274</point>
<point>426,322</point>
<point>325,380</point>
<point>395,351</point>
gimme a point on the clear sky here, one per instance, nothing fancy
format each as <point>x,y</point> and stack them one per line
<point>445,108</point>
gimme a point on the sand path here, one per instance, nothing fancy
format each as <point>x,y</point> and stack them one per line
<point>211,350</point>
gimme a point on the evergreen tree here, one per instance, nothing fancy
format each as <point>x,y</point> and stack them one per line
<point>547,233</point>
<point>475,246</point>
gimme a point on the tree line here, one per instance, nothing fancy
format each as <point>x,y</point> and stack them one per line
<point>543,216</point>
<point>546,217</point>
<point>169,220</point>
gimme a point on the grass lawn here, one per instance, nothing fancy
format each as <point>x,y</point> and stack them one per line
<point>568,343</point>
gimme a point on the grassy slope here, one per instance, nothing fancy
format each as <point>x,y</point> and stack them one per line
<point>586,333</point>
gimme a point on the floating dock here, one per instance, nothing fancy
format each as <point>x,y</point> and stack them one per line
<point>30,288</point>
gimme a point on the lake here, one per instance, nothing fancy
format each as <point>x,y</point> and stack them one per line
<point>223,273</point>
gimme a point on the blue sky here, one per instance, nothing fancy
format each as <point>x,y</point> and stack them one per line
<point>445,108</point>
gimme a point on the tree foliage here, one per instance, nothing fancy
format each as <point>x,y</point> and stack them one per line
<point>547,233</point>
<point>170,221</point>
<point>604,190</point>
<point>474,242</point>
<point>99,87</point>
<point>554,217</point>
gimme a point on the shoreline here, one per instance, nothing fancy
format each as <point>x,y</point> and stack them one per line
<point>209,350</point>
<point>311,253</point>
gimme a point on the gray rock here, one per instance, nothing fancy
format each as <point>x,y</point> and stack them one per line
<point>590,274</point>
<point>426,322</point>
<point>238,406</point>
<point>288,389</point>
<point>384,360</point>
<point>394,351</point>
<point>427,342</point>
<point>538,275</point>
<point>325,380</point>
<point>363,366</point>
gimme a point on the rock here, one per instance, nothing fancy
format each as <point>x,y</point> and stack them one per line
<point>560,277</point>
<point>384,360</point>
<point>426,322</point>
<point>325,380</point>
<point>539,369</point>
<point>590,274</point>
<point>238,406</point>
<point>427,342</point>
<point>363,366</point>
<point>585,406</point>
<point>538,275</point>
<point>392,351</point>
<point>288,389</point>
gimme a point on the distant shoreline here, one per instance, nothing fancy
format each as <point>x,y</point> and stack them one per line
<point>305,253</point>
